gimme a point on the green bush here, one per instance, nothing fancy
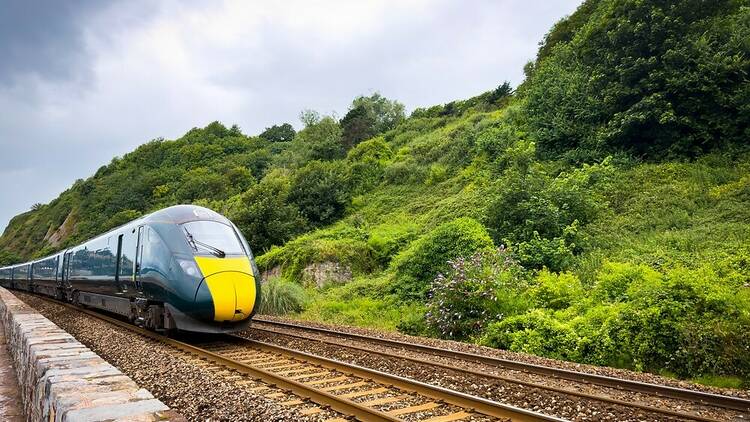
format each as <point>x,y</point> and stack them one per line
<point>405,172</point>
<point>416,266</point>
<point>614,280</point>
<point>346,248</point>
<point>535,332</point>
<point>475,291</point>
<point>281,297</point>
<point>650,77</point>
<point>554,254</point>
<point>265,215</point>
<point>386,240</point>
<point>688,322</point>
<point>556,291</point>
<point>367,162</point>
<point>320,191</point>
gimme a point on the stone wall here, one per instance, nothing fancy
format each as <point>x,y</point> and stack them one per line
<point>62,380</point>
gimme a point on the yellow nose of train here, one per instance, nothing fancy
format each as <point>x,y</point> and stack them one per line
<point>231,284</point>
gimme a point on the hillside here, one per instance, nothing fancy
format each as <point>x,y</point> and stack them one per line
<point>599,213</point>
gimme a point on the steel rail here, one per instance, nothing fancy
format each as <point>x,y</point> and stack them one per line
<point>323,398</point>
<point>701,397</point>
<point>610,400</point>
<point>342,405</point>
<point>466,401</point>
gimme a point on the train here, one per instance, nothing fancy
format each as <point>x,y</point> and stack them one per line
<point>182,268</point>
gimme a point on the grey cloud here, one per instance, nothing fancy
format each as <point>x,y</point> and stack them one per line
<point>44,38</point>
<point>454,50</point>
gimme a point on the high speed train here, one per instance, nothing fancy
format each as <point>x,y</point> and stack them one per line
<point>181,268</point>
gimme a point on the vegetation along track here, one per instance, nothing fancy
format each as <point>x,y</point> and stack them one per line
<point>732,406</point>
<point>353,391</point>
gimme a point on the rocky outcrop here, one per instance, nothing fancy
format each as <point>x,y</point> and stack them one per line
<point>55,238</point>
<point>329,272</point>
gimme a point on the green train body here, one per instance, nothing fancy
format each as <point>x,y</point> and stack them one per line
<point>184,267</point>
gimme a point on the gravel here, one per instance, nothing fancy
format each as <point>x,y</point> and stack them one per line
<point>521,357</point>
<point>240,350</point>
<point>196,389</point>
<point>558,404</point>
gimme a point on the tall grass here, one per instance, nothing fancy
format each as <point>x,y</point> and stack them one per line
<point>281,297</point>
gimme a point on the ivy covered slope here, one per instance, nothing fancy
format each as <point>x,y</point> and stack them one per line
<point>599,213</point>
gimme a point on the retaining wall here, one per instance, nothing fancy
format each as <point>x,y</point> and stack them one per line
<point>62,380</point>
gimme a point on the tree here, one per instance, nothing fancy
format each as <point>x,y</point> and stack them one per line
<point>357,126</point>
<point>201,183</point>
<point>369,116</point>
<point>309,117</point>
<point>499,93</point>
<point>320,140</point>
<point>650,77</point>
<point>265,216</point>
<point>320,191</point>
<point>8,258</point>
<point>279,133</point>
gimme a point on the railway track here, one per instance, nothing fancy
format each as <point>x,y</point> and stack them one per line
<point>322,384</point>
<point>697,397</point>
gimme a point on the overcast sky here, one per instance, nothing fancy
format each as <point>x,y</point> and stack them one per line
<point>84,81</point>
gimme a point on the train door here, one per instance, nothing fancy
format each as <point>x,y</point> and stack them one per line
<point>139,257</point>
<point>121,287</point>
<point>65,276</point>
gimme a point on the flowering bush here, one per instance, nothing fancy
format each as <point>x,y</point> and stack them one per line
<point>475,292</point>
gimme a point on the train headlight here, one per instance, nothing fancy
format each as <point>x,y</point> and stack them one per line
<point>189,267</point>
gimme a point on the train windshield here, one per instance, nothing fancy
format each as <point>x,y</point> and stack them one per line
<point>212,237</point>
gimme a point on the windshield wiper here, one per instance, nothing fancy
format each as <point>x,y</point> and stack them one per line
<point>195,243</point>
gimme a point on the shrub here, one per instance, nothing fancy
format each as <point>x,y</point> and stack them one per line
<point>320,191</point>
<point>534,332</point>
<point>347,249</point>
<point>614,279</point>
<point>281,297</point>
<point>556,291</point>
<point>405,172</point>
<point>651,77</point>
<point>529,205</point>
<point>366,164</point>
<point>688,322</point>
<point>554,254</point>
<point>474,292</point>
<point>388,239</point>
<point>429,255</point>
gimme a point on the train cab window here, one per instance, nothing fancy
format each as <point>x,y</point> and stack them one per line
<point>211,237</point>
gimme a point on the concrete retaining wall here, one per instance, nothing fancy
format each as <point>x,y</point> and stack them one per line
<point>62,380</point>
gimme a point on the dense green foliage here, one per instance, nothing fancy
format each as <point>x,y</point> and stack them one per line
<point>655,78</point>
<point>430,254</point>
<point>279,133</point>
<point>600,213</point>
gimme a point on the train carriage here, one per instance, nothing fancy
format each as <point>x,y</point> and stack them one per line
<point>184,267</point>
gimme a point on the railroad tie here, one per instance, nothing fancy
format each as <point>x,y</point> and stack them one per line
<point>344,386</point>
<point>327,380</point>
<point>356,394</point>
<point>275,395</point>
<point>287,366</point>
<point>413,409</point>
<point>383,400</point>
<point>311,411</point>
<point>310,375</point>
<point>448,418</point>
<point>292,402</point>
